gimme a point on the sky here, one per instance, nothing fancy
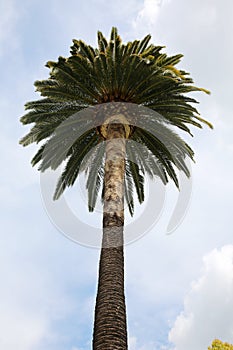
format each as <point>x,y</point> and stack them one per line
<point>179,287</point>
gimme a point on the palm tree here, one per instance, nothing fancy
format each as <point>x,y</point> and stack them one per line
<point>123,101</point>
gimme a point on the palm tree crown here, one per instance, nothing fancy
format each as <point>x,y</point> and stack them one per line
<point>135,73</point>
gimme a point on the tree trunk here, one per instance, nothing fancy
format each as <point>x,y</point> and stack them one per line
<point>110,329</point>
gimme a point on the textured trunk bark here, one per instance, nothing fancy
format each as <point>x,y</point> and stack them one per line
<point>110,328</point>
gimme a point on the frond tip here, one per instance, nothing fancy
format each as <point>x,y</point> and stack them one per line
<point>205,122</point>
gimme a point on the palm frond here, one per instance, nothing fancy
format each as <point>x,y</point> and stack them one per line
<point>72,167</point>
<point>95,176</point>
<point>129,189</point>
<point>136,176</point>
<point>102,42</point>
<point>148,162</point>
<point>58,149</point>
<point>160,151</point>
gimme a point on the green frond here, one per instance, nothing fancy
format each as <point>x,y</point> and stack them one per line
<point>72,169</point>
<point>39,132</point>
<point>59,148</point>
<point>51,117</point>
<point>153,88</point>
<point>153,51</point>
<point>143,44</point>
<point>102,42</point>
<point>81,67</point>
<point>114,34</point>
<point>51,64</point>
<point>129,189</point>
<point>204,121</point>
<point>163,136</point>
<point>133,64</point>
<point>135,46</point>
<point>49,105</point>
<point>30,137</point>
<point>171,61</point>
<point>113,55</point>
<point>160,151</point>
<point>204,90</point>
<point>132,154</point>
<point>100,65</point>
<point>68,176</point>
<point>147,161</point>
<point>176,73</point>
<point>136,176</point>
<point>64,74</point>
<point>81,48</point>
<point>38,156</point>
<point>45,84</point>
<point>95,176</point>
<point>50,88</point>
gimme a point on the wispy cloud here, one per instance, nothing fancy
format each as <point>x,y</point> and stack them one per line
<point>134,345</point>
<point>147,16</point>
<point>208,307</point>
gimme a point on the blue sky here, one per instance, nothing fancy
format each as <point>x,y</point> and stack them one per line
<point>179,287</point>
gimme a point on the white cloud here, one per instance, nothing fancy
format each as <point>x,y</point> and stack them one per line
<point>23,324</point>
<point>132,343</point>
<point>21,329</point>
<point>147,16</point>
<point>208,307</point>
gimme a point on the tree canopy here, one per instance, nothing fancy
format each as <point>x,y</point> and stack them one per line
<point>218,345</point>
<point>136,75</point>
